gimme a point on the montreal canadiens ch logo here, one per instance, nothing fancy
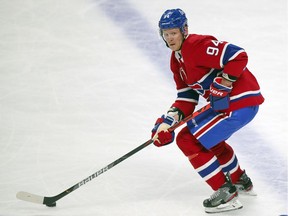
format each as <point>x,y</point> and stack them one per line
<point>198,88</point>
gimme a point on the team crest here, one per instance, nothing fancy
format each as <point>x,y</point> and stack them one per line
<point>198,88</point>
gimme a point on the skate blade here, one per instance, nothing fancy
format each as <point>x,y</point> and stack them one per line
<point>233,204</point>
<point>247,193</point>
<point>250,192</point>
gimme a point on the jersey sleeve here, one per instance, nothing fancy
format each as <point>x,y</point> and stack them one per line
<point>230,58</point>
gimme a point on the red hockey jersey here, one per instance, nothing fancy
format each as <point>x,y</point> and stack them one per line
<point>200,60</point>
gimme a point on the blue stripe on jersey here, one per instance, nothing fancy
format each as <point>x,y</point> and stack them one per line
<point>203,85</point>
<point>229,52</point>
<point>187,94</point>
<point>208,170</point>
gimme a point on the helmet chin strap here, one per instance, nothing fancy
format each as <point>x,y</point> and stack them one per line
<point>165,41</point>
<point>182,43</point>
<point>185,34</point>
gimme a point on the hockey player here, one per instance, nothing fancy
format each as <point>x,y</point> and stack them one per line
<point>216,70</point>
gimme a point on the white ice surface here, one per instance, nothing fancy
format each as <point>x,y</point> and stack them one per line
<point>81,84</point>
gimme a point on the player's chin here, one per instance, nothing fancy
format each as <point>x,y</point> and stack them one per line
<point>173,47</point>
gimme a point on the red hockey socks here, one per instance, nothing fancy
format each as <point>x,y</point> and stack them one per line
<point>213,164</point>
<point>228,160</point>
<point>203,161</point>
<point>208,167</point>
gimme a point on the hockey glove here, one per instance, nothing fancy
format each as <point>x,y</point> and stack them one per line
<point>219,95</point>
<point>160,134</point>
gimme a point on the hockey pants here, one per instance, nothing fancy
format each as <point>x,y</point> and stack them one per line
<point>203,141</point>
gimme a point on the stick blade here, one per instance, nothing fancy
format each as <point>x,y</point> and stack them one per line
<point>29,197</point>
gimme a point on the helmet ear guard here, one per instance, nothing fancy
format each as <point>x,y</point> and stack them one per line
<point>185,30</point>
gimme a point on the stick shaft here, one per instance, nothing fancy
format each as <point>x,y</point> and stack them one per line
<point>96,174</point>
<point>124,157</point>
<point>52,200</point>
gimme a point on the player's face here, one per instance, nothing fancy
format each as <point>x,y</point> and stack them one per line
<point>174,38</point>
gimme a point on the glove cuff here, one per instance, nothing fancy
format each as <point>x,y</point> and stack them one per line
<point>217,84</point>
<point>175,112</point>
<point>169,120</point>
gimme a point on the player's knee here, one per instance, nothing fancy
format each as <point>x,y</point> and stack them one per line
<point>218,149</point>
<point>187,143</point>
<point>222,148</point>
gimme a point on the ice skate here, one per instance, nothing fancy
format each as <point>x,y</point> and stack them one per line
<point>224,199</point>
<point>245,186</point>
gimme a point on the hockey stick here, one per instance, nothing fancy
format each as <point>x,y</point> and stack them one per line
<point>51,201</point>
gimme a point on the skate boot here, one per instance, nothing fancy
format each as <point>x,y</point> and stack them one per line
<point>245,186</point>
<point>224,199</point>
